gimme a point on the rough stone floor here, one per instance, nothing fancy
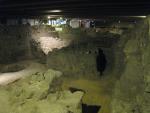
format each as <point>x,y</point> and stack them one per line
<point>98,90</point>
<point>29,68</point>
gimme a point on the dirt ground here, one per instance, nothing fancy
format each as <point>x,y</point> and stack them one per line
<point>98,91</point>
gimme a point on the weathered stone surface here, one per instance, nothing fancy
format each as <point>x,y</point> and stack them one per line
<point>79,59</point>
<point>13,72</point>
<point>31,95</point>
<point>131,94</point>
<point>14,43</point>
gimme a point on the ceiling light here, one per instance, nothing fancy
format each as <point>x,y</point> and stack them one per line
<point>49,17</point>
<point>139,16</point>
<point>142,16</point>
<point>55,11</point>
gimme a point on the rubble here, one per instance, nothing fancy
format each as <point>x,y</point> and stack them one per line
<point>31,94</point>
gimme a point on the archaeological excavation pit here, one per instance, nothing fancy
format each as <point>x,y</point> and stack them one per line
<point>74,56</point>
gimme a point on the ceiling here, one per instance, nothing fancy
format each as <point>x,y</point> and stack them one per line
<point>72,8</point>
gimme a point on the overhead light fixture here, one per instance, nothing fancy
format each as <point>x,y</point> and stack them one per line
<point>55,11</point>
<point>49,17</point>
<point>53,16</point>
<point>142,16</point>
<point>139,16</point>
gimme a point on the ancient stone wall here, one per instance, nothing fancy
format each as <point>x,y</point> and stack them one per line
<point>132,90</point>
<point>79,59</point>
<point>14,43</point>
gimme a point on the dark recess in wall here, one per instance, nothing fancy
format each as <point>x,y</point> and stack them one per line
<point>90,108</point>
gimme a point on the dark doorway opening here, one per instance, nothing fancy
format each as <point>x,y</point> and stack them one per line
<point>90,108</point>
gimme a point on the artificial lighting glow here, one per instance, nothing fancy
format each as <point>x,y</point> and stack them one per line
<point>55,11</point>
<point>49,17</point>
<point>47,44</point>
<point>58,29</point>
<point>139,16</point>
<point>142,16</point>
<point>57,22</point>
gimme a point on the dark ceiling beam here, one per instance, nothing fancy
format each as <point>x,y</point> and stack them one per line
<point>73,8</point>
<point>41,3</point>
<point>69,14</point>
<point>95,10</point>
<point>76,6</point>
<point>65,4</point>
<point>60,2</point>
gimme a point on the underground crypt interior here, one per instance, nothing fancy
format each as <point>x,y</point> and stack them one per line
<point>74,56</point>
